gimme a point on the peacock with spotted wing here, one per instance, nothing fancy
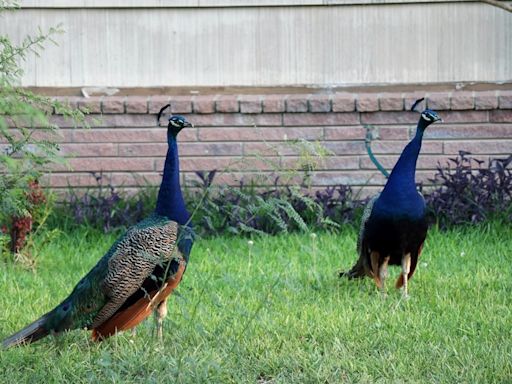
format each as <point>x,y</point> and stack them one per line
<point>137,275</point>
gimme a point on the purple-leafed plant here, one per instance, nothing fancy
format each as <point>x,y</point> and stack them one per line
<point>465,191</point>
<point>105,207</point>
<point>469,191</point>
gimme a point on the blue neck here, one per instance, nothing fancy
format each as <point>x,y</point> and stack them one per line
<point>170,201</point>
<point>402,176</point>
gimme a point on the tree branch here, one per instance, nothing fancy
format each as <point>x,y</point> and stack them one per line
<point>499,4</point>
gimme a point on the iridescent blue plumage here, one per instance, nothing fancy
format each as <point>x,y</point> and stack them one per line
<point>170,201</point>
<point>394,226</point>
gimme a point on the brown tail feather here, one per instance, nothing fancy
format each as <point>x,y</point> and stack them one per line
<point>27,335</point>
<point>136,313</point>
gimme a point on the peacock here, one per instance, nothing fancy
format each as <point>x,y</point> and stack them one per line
<point>139,272</point>
<point>394,225</point>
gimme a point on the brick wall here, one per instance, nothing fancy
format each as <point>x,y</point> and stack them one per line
<point>246,134</point>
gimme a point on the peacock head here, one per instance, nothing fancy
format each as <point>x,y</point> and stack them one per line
<point>428,117</point>
<point>176,124</point>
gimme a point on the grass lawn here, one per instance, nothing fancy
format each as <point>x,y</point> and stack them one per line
<point>275,312</point>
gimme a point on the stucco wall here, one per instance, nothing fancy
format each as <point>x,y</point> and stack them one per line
<point>248,43</point>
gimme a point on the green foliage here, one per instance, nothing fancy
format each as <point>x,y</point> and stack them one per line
<point>28,138</point>
<point>272,310</point>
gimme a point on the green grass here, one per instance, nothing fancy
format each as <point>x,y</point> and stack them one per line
<point>276,312</point>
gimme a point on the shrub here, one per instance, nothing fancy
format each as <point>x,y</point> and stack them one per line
<point>464,192</point>
<point>29,139</point>
<point>105,207</point>
<point>469,192</point>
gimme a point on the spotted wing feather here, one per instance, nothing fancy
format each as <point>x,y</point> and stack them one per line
<point>361,267</point>
<point>366,215</point>
<point>135,258</point>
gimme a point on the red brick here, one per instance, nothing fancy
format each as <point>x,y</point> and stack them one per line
<point>270,149</point>
<point>464,116</point>
<point>135,179</point>
<point>345,133</point>
<point>234,178</point>
<point>486,100</point>
<point>327,163</point>
<point>112,104</point>
<point>396,147</point>
<point>236,119</point>
<point>204,104</point>
<point>90,104</point>
<point>227,104</point>
<point>462,100</point>
<point>297,103</point>
<point>411,97</point>
<point>274,103</point>
<point>61,135</point>
<point>504,116</point>
<point>83,150</point>
<point>343,102</point>
<point>312,119</point>
<point>485,147</point>
<point>125,179</point>
<point>345,147</point>
<point>505,99</point>
<point>143,150</point>
<point>348,177</point>
<point>114,120</point>
<point>388,162</point>
<point>393,133</point>
<point>137,104</point>
<point>367,102</point>
<point>210,149</point>
<point>259,134</point>
<point>391,102</point>
<point>157,102</point>
<point>438,101</point>
<point>67,101</point>
<point>181,104</point>
<point>230,164</point>
<point>425,177</point>
<point>250,104</point>
<point>107,164</point>
<point>389,117</point>
<point>119,135</point>
<point>66,122</point>
<point>319,103</point>
<point>482,131</point>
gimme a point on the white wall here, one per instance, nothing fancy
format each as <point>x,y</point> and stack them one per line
<point>247,45</point>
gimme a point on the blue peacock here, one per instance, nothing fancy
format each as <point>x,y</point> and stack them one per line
<point>394,225</point>
<point>139,272</point>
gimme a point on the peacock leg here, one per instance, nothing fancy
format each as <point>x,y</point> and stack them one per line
<point>406,267</point>
<point>374,260</point>
<point>383,273</point>
<point>160,313</point>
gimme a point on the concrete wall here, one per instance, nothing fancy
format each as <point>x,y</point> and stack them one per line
<point>270,43</point>
<point>252,136</point>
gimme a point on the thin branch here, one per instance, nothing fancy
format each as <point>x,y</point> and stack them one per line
<point>500,4</point>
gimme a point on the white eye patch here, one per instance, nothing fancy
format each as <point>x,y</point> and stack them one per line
<point>426,117</point>
<point>175,123</point>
